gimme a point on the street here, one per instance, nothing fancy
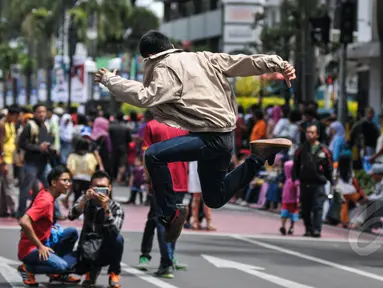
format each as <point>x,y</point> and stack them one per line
<point>246,251</point>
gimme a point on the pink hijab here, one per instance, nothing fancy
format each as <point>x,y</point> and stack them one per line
<point>277,113</point>
<point>100,128</point>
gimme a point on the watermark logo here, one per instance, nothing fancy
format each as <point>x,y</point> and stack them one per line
<point>365,221</point>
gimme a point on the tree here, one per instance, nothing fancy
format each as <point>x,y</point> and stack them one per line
<point>141,20</point>
<point>278,39</point>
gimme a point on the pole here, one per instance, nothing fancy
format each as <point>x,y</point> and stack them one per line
<point>342,100</point>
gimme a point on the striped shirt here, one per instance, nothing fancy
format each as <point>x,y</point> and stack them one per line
<point>95,219</point>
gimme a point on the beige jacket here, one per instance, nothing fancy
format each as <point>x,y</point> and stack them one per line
<point>190,90</point>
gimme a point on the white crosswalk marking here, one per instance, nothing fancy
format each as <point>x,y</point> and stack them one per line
<point>150,279</point>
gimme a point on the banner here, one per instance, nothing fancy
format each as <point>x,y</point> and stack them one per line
<point>78,88</point>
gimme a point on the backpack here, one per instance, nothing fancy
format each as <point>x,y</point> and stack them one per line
<point>35,130</point>
<point>19,154</point>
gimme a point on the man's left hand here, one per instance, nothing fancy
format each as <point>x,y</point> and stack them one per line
<point>289,73</point>
<point>100,73</point>
<point>104,200</point>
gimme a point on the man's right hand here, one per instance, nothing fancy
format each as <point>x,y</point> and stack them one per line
<point>90,194</point>
<point>44,146</point>
<point>44,252</point>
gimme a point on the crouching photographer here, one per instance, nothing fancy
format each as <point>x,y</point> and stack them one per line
<point>101,243</point>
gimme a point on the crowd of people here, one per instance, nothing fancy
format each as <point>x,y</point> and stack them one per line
<point>320,164</point>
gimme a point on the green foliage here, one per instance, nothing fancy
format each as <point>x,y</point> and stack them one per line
<point>140,21</point>
<point>365,181</point>
<point>278,38</point>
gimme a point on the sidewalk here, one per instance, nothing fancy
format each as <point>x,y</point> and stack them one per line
<point>327,229</point>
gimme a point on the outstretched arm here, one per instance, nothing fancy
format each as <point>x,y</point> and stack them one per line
<point>248,65</point>
<point>165,87</point>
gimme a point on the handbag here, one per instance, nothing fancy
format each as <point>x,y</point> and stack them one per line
<point>90,247</point>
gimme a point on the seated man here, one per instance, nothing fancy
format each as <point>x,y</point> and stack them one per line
<point>101,243</point>
<point>39,253</point>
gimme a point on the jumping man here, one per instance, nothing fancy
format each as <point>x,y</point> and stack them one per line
<point>190,91</point>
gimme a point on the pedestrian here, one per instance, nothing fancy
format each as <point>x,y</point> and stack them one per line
<point>156,132</point>
<point>82,164</point>
<point>37,250</point>
<point>290,200</point>
<point>190,91</point>
<point>8,193</point>
<point>313,167</point>
<point>36,141</point>
<point>101,243</point>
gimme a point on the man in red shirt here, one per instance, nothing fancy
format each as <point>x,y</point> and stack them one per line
<point>156,132</point>
<point>41,250</point>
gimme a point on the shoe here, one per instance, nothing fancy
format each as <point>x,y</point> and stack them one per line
<point>114,280</point>
<point>143,263</point>
<point>179,266</point>
<point>165,272</point>
<point>308,234</point>
<point>28,278</point>
<point>316,234</point>
<point>91,278</point>
<point>64,279</point>
<point>291,231</point>
<point>173,226</point>
<point>282,230</point>
<point>267,149</point>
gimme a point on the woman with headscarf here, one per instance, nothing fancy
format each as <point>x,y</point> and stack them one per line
<point>338,139</point>
<point>66,135</point>
<point>275,114</point>
<point>100,135</point>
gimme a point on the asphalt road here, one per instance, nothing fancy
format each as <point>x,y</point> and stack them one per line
<point>235,261</point>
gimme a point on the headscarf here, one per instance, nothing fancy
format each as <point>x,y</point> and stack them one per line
<point>277,114</point>
<point>66,128</point>
<point>340,133</point>
<point>100,128</point>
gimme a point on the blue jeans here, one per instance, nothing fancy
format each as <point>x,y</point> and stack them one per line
<point>166,249</point>
<point>60,262</point>
<point>213,151</point>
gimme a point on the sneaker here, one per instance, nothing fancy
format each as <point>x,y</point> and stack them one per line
<point>28,278</point>
<point>114,280</point>
<point>308,234</point>
<point>282,230</point>
<point>267,149</point>
<point>64,279</point>
<point>291,231</point>
<point>165,272</point>
<point>173,227</point>
<point>316,234</point>
<point>91,278</point>
<point>179,266</point>
<point>143,263</point>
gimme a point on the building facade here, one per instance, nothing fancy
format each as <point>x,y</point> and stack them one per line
<point>225,26</point>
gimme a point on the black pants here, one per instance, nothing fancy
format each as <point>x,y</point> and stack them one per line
<point>151,224</point>
<point>213,151</point>
<point>312,201</point>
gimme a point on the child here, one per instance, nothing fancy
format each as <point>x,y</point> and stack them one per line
<point>274,179</point>
<point>82,164</point>
<point>137,180</point>
<point>290,200</point>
